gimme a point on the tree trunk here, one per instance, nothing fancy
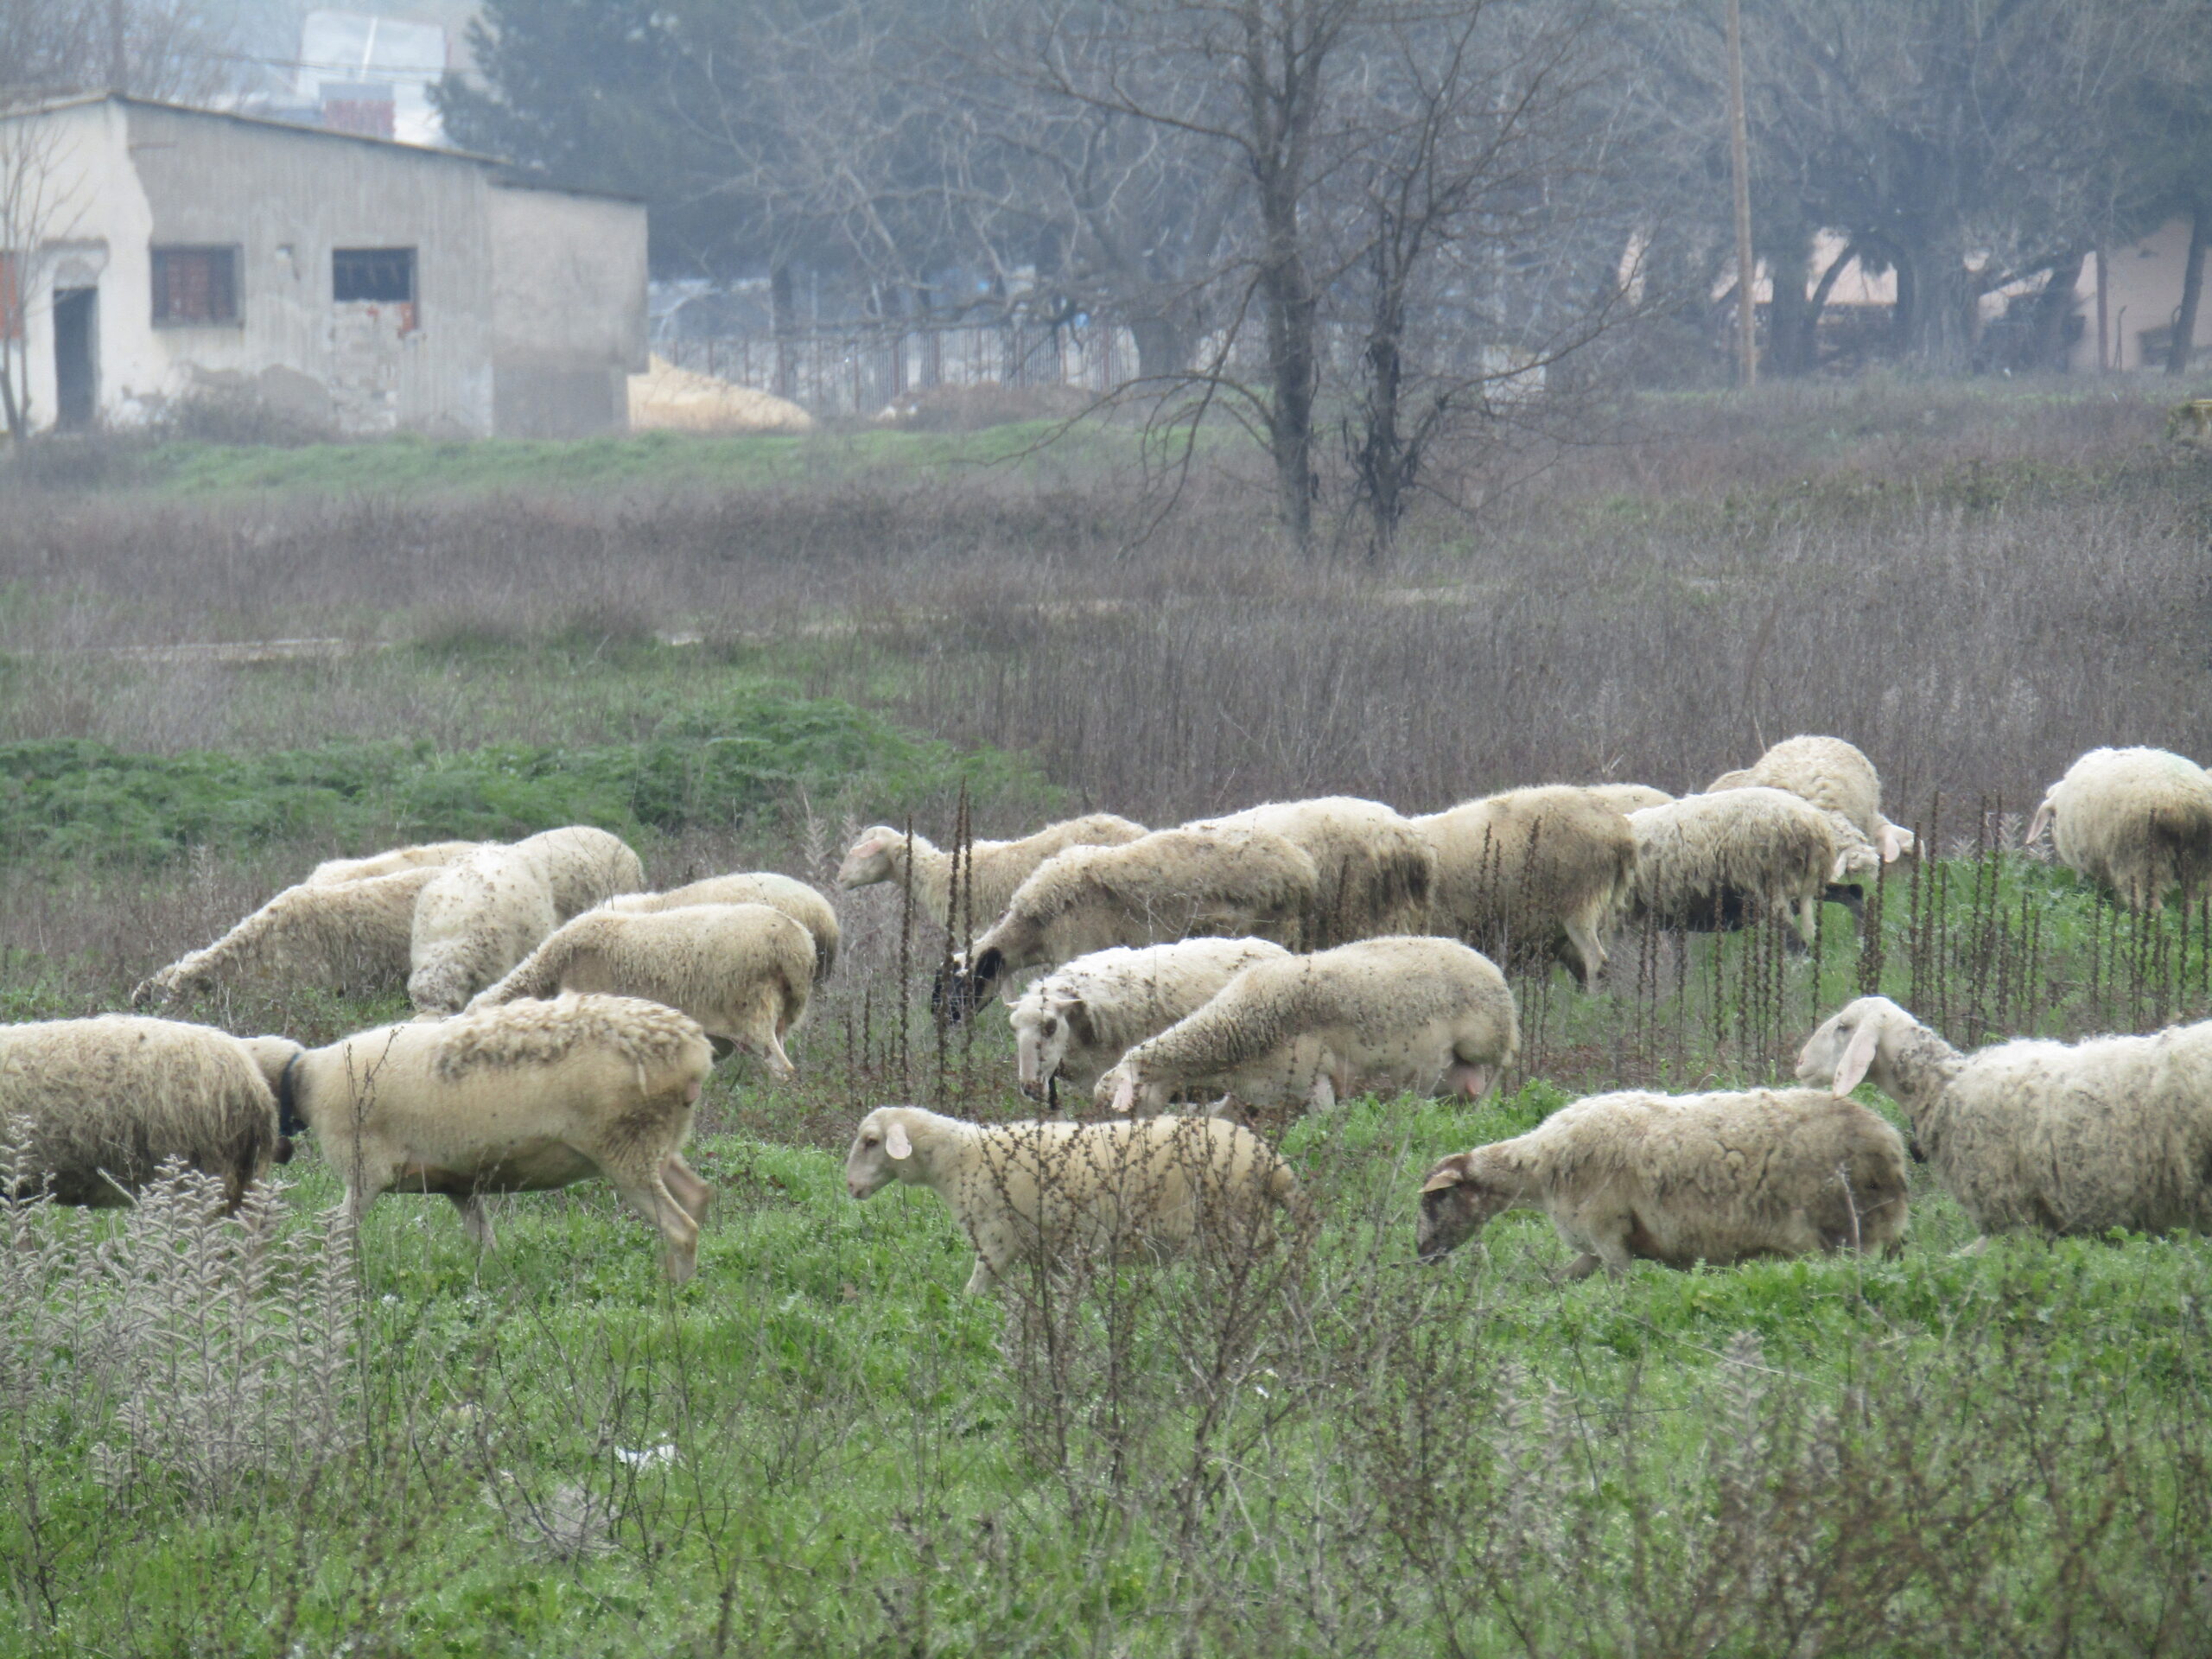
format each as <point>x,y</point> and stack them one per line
<point>1935,297</point>
<point>1786,263</point>
<point>2192,289</point>
<point>1162,351</point>
<point>2053,307</point>
<point>780,303</point>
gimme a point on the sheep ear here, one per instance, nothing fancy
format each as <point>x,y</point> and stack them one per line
<point>1441,1181</point>
<point>1858,1055</point>
<point>2037,824</point>
<point>1125,1094</point>
<point>1894,841</point>
<point>1079,1018</point>
<point>896,1144</point>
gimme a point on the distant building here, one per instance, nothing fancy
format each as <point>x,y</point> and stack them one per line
<point>367,74</point>
<point>2142,282</point>
<point>361,284</point>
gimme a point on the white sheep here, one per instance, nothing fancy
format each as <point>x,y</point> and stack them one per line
<point>519,1098</point>
<point>1036,1192</point>
<point>1684,1179</point>
<point>2047,1137</point>
<point>1711,862</point>
<point>1832,774</point>
<point>1377,871</point>
<point>1172,884</point>
<point>743,971</point>
<point>350,936</point>
<point>787,894</point>
<point>1082,1017</point>
<point>2137,821</point>
<point>1536,872</point>
<point>1422,1014</point>
<point>582,867</point>
<point>92,1107</point>
<point>434,854</point>
<point>474,921</point>
<point>989,875</point>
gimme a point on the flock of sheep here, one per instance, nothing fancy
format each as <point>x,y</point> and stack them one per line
<point>1287,956</point>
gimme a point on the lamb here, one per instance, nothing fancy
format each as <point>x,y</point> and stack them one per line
<point>1033,1192</point>
<point>794,897</point>
<point>1377,871</point>
<point>1625,799</point>
<point>2041,1136</point>
<point>95,1107</point>
<point>1537,872</point>
<point>989,876</point>
<point>475,920</point>
<point>1683,1179</point>
<point>1081,1018</point>
<point>1416,1014</point>
<point>436,855</point>
<point>582,867</point>
<point>1710,861</point>
<point>2138,822</point>
<point>518,1098</point>
<point>742,971</point>
<point>1831,774</point>
<point>354,937</point>
<point>1172,884</point>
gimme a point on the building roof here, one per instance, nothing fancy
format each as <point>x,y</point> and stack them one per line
<point>505,172</point>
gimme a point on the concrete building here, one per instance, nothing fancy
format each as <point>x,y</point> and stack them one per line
<point>358,284</point>
<point>2142,303</point>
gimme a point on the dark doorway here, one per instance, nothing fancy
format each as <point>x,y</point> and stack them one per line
<point>76,362</point>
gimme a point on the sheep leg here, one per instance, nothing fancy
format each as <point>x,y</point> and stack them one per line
<point>650,1198</point>
<point>983,1278</point>
<point>475,1219</point>
<point>1323,1095</point>
<point>696,1197</point>
<point>1809,920</point>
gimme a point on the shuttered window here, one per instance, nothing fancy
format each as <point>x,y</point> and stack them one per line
<point>385,275</point>
<point>195,285</point>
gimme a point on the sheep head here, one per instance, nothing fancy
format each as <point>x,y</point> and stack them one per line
<point>1849,1042</point>
<point>959,988</point>
<point>1044,1028</point>
<point>1456,1201</point>
<point>873,858</point>
<point>883,1151</point>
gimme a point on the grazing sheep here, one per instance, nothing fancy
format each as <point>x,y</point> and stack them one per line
<point>582,867</point>
<point>94,1107</point>
<point>1034,1191</point>
<point>1712,862</point>
<point>1377,873</point>
<point>987,878</point>
<point>474,922</point>
<point>2047,1137</point>
<point>434,854</point>
<point>1172,884</point>
<point>1683,1179</point>
<point>742,971</point>
<point>1625,799</point>
<point>519,1098</point>
<point>1085,1015</point>
<point>793,897</point>
<point>2137,821</point>
<point>1416,1014</point>
<point>352,936</point>
<point>1832,774</point>
<point>1535,873</point>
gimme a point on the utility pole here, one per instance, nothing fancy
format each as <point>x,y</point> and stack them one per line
<point>1739,165</point>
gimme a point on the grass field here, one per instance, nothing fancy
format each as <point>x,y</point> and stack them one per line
<point>224,1438</point>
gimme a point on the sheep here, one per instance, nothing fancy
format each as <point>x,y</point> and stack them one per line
<point>989,875</point>
<point>353,937</point>
<point>793,897</point>
<point>1172,884</point>
<point>1377,871</point>
<point>1832,774</point>
<point>1683,1179</point>
<point>2138,822</point>
<point>2041,1136</point>
<point>1710,861</point>
<point>582,867</point>
<point>1625,799</point>
<point>742,971</point>
<point>333,872</point>
<point>1535,870</point>
<point>1031,1191</point>
<point>1418,1013</point>
<point>1081,1018</point>
<point>472,922</point>
<point>519,1098</point>
<point>95,1107</point>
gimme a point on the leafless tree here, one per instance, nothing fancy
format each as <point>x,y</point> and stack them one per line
<point>38,203</point>
<point>174,49</point>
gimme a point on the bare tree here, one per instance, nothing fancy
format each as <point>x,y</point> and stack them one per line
<point>38,204</point>
<point>173,49</point>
